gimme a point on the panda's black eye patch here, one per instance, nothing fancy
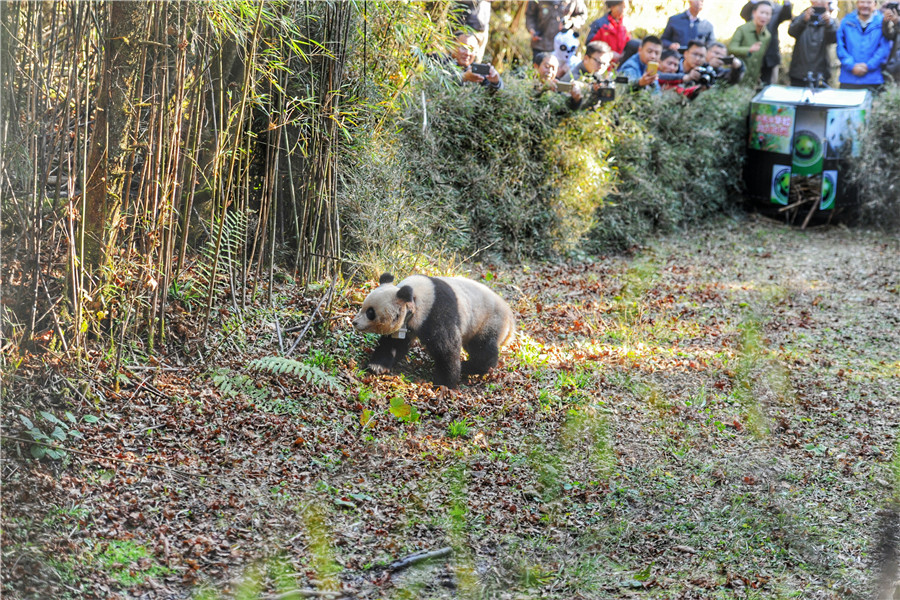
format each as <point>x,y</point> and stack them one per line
<point>370,314</point>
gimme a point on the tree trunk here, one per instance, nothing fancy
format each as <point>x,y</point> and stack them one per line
<point>109,149</point>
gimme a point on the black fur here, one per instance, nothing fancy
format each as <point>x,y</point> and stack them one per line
<point>484,353</point>
<point>441,337</point>
<point>388,352</point>
<point>439,331</point>
<point>385,278</point>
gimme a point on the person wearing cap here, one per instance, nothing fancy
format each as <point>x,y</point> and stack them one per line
<point>610,28</point>
<point>545,18</point>
<point>687,26</point>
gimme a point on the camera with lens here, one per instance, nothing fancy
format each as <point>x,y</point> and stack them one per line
<point>609,89</point>
<point>708,76</point>
<point>894,6</point>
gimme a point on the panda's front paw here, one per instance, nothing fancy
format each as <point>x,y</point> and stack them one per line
<point>378,369</point>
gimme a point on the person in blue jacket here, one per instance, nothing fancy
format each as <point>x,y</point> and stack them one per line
<point>635,68</point>
<point>687,26</point>
<point>862,48</point>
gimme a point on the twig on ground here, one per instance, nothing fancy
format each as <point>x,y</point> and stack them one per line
<point>417,557</point>
<point>312,317</point>
<point>305,593</point>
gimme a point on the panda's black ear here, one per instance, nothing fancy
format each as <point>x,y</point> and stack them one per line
<point>575,33</point>
<point>385,278</point>
<point>405,293</point>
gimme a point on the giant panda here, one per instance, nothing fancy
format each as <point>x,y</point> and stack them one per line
<point>446,314</point>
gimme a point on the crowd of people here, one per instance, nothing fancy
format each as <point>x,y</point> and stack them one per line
<point>687,57</point>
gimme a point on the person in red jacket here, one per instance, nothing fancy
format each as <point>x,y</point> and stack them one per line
<point>610,29</point>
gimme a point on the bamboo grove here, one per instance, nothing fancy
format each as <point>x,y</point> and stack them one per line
<point>152,149</point>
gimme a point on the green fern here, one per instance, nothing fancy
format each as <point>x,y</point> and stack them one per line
<point>279,365</point>
<point>234,238</point>
<point>232,385</point>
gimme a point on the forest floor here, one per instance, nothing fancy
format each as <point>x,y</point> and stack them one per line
<point>714,415</point>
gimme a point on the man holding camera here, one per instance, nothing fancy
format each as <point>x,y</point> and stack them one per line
<point>463,57</point>
<point>814,30</point>
<point>729,69</point>
<point>862,48</point>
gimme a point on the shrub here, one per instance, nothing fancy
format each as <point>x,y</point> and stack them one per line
<point>877,169</point>
<point>678,162</point>
<point>518,175</point>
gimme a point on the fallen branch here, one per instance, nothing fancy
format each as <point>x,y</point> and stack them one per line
<point>417,557</point>
<point>305,593</point>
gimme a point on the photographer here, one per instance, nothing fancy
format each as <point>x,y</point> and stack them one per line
<point>693,61</point>
<point>814,30</point>
<point>642,68</point>
<point>463,58</point>
<point>695,75</point>
<point>890,29</point>
<point>729,69</point>
<point>546,68</point>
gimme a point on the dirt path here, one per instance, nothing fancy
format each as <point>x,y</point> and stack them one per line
<point>715,416</point>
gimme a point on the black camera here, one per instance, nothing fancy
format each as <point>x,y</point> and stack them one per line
<point>610,88</point>
<point>708,75</point>
<point>481,69</point>
<point>894,6</point>
<point>728,61</point>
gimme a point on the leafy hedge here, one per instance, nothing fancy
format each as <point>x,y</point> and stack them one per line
<point>519,175</point>
<point>877,170</point>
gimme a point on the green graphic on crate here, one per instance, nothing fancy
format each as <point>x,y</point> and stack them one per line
<point>829,189</point>
<point>771,127</point>
<point>781,184</point>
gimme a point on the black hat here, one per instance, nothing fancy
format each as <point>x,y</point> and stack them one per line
<point>611,3</point>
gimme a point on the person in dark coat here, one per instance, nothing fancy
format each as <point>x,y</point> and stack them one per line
<point>772,60</point>
<point>687,26</point>
<point>545,18</point>
<point>814,32</point>
<point>890,29</point>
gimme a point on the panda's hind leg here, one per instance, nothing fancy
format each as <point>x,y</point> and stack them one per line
<point>484,353</point>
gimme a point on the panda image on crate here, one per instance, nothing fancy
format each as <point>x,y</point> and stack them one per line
<point>446,314</point>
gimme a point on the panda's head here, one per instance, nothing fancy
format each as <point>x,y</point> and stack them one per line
<point>385,309</point>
